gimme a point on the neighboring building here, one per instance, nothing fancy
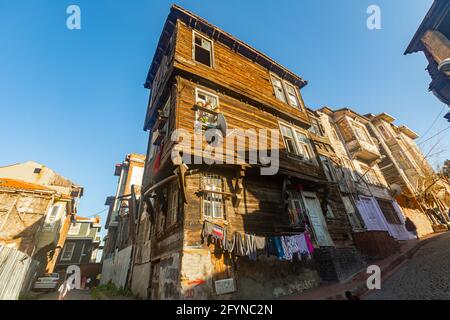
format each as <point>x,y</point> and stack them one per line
<point>51,224</point>
<point>122,220</point>
<point>201,74</point>
<point>82,246</point>
<point>433,39</point>
<point>30,212</point>
<point>423,192</point>
<point>381,217</point>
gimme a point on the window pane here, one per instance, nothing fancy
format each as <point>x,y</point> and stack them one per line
<point>202,51</point>
<point>292,95</point>
<point>213,202</point>
<point>278,88</point>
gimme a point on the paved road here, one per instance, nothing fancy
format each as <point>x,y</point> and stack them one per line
<point>72,295</point>
<point>425,277</point>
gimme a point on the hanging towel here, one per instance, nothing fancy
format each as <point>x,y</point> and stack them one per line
<point>308,242</point>
<point>279,247</point>
<point>271,248</point>
<point>228,244</point>
<point>260,243</point>
<point>251,246</point>
<point>302,244</point>
<point>239,246</point>
<point>286,250</point>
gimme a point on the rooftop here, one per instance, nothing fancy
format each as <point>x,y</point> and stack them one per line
<point>217,34</point>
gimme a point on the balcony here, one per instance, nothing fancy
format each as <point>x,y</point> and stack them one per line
<point>363,150</point>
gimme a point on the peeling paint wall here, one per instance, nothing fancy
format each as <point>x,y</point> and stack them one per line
<point>21,219</point>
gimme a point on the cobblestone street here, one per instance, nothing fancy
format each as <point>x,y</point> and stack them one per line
<point>426,276</point>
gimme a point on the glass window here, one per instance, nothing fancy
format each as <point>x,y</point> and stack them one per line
<point>289,141</point>
<point>292,95</point>
<point>206,101</point>
<point>68,251</point>
<point>212,202</point>
<point>203,50</point>
<point>304,145</point>
<point>278,88</point>
<point>74,228</point>
<point>53,216</point>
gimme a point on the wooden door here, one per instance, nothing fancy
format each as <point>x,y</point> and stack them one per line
<point>317,219</point>
<point>370,215</point>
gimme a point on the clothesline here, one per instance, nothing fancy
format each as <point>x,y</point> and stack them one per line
<point>243,244</point>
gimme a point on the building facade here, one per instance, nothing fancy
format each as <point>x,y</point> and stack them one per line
<point>82,247</point>
<point>200,221</point>
<point>122,222</point>
<point>54,208</point>
<point>422,193</point>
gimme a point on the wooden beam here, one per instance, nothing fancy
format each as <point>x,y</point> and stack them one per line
<point>437,45</point>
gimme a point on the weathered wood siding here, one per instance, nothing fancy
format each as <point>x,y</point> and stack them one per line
<point>239,115</point>
<point>233,71</point>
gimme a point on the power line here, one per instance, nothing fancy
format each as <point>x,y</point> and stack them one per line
<point>438,133</point>
<point>434,121</point>
<point>92,215</point>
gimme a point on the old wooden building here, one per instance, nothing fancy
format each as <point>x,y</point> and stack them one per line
<point>267,222</point>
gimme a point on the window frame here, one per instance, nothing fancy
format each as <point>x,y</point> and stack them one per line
<point>65,250</point>
<point>303,148</point>
<point>329,169</point>
<point>286,85</point>
<point>51,224</point>
<point>272,77</point>
<point>211,53</point>
<point>77,225</point>
<point>203,177</point>
<point>173,203</point>
<point>363,128</point>
<point>216,110</point>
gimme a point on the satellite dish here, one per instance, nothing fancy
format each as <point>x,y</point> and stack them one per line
<point>396,189</point>
<point>444,66</point>
<point>222,124</point>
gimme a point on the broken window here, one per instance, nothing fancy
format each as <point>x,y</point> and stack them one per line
<point>350,209</point>
<point>328,168</point>
<point>278,88</point>
<point>361,133</point>
<point>292,95</point>
<point>207,107</point>
<point>203,50</point>
<point>297,143</point>
<point>384,132</point>
<point>296,208</point>
<point>304,146</point>
<point>389,212</point>
<point>172,206</point>
<point>289,141</point>
<point>212,196</point>
<point>316,128</point>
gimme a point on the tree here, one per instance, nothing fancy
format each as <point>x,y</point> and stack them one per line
<point>446,169</point>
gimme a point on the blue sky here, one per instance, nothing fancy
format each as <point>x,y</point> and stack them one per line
<point>75,101</point>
